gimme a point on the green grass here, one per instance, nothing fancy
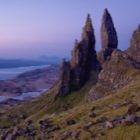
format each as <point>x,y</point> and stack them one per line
<point>45,107</point>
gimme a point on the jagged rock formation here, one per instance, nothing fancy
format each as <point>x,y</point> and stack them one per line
<point>75,73</point>
<point>134,50</point>
<point>114,75</point>
<point>109,38</point>
<point>118,70</point>
<point>64,80</point>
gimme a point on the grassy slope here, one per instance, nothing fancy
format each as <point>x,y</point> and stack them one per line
<point>130,92</point>
<point>45,104</point>
<point>42,107</point>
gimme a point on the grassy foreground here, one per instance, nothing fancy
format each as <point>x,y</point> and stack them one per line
<point>74,107</point>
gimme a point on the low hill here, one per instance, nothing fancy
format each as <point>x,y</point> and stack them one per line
<point>30,81</point>
<point>50,59</point>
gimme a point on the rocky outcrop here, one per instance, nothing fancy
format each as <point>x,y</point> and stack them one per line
<point>114,75</point>
<point>83,57</point>
<point>109,38</point>
<point>64,80</point>
<point>75,74</point>
<point>134,50</point>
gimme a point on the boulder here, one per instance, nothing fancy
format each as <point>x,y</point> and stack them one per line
<point>129,120</point>
<point>75,134</point>
<point>91,114</point>
<point>100,134</point>
<point>88,125</point>
<point>109,124</point>
<point>10,137</point>
<point>15,131</point>
<point>132,108</point>
<point>116,118</point>
<point>65,135</point>
<point>101,120</point>
<point>127,123</point>
<point>70,122</point>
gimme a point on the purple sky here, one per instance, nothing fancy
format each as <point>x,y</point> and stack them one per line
<point>31,28</point>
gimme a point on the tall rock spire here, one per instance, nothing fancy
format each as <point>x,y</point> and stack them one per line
<point>88,31</point>
<point>76,72</point>
<point>134,50</point>
<point>84,51</point>
<point>64,79</point>
<point>88,43</point>
<point>109,40</point>
<point>108,33</point>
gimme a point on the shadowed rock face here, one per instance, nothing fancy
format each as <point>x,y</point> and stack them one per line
<point>134,50</point>
<point>83,61</point>
<point>84,53</point>
<point>83,56</point>
<point>109,38</point>
<point>104,54</point>
<point>108,32</point>
<point>64,80</point>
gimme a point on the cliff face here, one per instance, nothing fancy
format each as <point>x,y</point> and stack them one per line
<point>118,70</point>
<point>134,50</point>
<point>75,73</point>
<point>115,74</point>
<point>109,40</point>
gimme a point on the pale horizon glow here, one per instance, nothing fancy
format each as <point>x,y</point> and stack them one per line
<point>32,28</point>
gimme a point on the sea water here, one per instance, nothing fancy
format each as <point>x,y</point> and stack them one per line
<point>23,95</point>
<point>12,72</point>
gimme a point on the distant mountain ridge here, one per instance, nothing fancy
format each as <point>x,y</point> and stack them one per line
<point>50,59</point>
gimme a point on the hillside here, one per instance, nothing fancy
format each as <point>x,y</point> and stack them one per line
<point>96,95</point>
<point>30,81</point>
<point>72,117</point>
